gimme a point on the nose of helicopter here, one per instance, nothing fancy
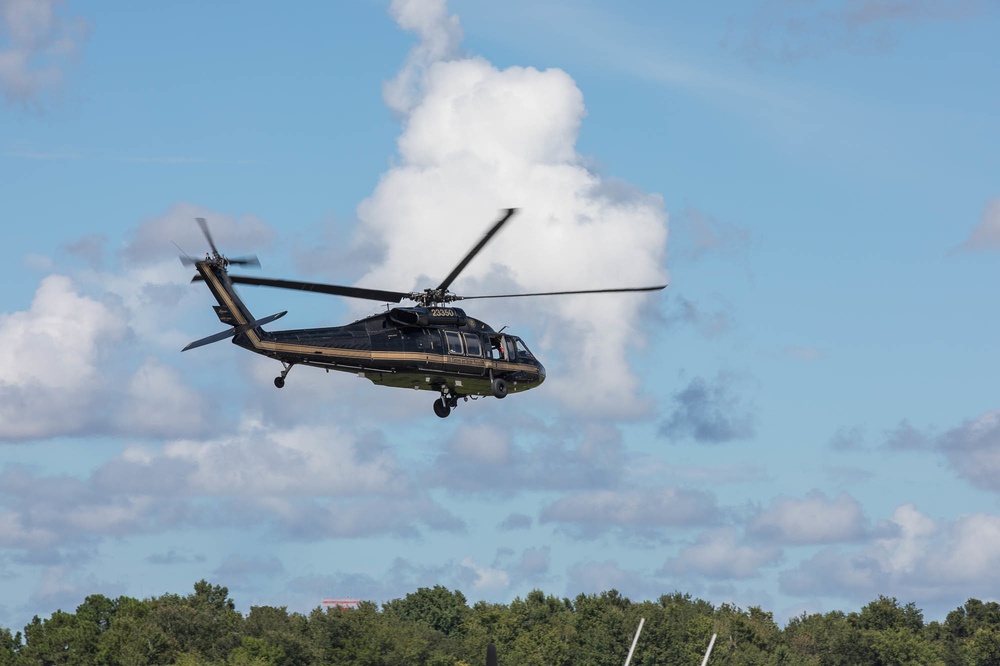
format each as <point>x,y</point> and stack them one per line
<point>541,373</point>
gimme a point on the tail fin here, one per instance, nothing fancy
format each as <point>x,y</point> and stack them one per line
<point>230,309</point>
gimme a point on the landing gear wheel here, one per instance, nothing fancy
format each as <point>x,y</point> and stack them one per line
<point>279,381</point>
<point>499,388</point>
<point>441,408</point>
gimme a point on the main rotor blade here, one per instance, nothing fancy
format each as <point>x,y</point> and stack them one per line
<point>465,262</point>
<point>250,261</point>
<point>566,293</point>
<point>208,236</point>
<point>335,290</point>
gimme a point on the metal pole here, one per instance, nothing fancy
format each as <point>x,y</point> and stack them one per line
<point>709,650</point>
<point>636,640</point>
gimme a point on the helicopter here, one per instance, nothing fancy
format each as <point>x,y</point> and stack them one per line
<point>431,345</point>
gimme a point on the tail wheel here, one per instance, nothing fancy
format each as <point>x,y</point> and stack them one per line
<point>499,388</point>
<point>441,408</point>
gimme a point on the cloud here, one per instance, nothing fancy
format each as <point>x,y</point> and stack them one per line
<point>478,139</point>
<point>172,557</point>
<point>704,235</point>
<point>915,557</point>
<point>158,403</point>
<point>532,566</point>
<point>986,236</point>
<point>800,353</point>
<point>973,450</point>
<point>307,483</point>
<point>242,569</point>
<point>440,36</point>
<point>52,378</point>
<point>483,580</point>
<point>708,413</point>
<point>485,459</point>
<point>709,324</point>
<point>791,31</point>
<point>816,519</point>
<point>39,513</point>
<point>641,512</point>
<point>848,439</point>
<point>515,522</point>
<point>36,43</point>
<point>719,553</point>
<point>156,239</point>
<point>65,586</point>
<point>83,358</point>
<point>907,438</point>
<point>402,577</point>
<point>594,577</point>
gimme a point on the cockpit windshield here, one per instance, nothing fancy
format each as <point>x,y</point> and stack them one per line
<point>522,350</point>
<point>510,348</point>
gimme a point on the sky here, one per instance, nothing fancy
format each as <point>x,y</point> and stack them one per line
<point>805,419</point>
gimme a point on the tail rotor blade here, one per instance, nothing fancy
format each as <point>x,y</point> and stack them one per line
<point>250,261</point>
<point>208,236</point>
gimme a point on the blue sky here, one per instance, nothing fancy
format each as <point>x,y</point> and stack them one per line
<point>805,419</point>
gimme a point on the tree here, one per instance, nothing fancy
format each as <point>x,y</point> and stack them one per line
<point>886,613</point>
<point>984,647</point>
<point>256,652</point>
<point>903,647</point>
<point>133,639</point>
<point>205,623</point>
<point>57,640</point>
<point>279,629</point>
<point>605,624</point>
<point>437,607</point>
<point>10,645</point>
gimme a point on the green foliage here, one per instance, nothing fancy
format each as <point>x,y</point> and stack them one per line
<point>903,647</point>
<point>10,645</point>
<point>437,607</point>
<point>886,613</point>
<point>436,627</point>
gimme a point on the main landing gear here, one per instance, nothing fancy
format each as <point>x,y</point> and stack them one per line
<point>447,402</point>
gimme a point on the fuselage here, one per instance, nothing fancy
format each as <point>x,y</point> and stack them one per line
<point>429,348</point>
<point>466,356</point>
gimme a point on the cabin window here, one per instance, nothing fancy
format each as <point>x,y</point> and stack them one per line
<point>454,341</point>
<point>472,344</point>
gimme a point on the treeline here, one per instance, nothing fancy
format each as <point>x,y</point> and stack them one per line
<point>436,627</point>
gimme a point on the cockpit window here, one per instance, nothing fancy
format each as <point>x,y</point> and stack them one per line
<point>522,349</point>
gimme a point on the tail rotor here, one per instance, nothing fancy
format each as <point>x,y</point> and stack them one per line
<point>216,257</point>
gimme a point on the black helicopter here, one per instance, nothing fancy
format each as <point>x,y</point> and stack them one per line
<point>430,346</point>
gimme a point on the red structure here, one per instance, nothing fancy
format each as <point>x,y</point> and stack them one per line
<point>342,603</point>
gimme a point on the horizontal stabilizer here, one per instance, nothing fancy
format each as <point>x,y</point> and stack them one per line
<point>234,331</point>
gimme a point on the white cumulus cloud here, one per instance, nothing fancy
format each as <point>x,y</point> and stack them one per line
<point>478,139</point>
<point>815,519</point>
<point>51,379</point>
<point>719,553</point>
<point>930,562</point>
<point>35,45</point>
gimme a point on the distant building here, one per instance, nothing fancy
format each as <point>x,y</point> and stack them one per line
<point>342,603</point>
